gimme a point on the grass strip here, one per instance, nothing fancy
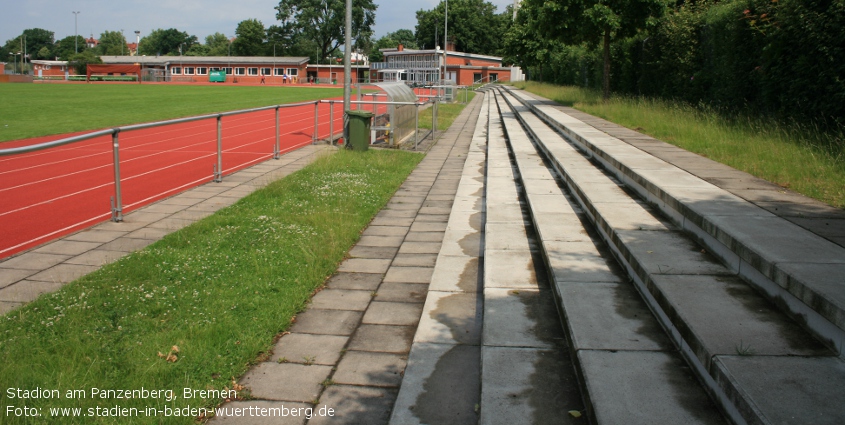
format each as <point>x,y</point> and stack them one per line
<point>33,110</point>
<point>446,112</point>
<point>198,307</point>
<point>799,157</point>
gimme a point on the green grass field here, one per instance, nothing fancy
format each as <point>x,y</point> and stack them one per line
<point>32,110</point>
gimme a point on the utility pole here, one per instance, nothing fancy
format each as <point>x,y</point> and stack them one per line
<point>76,32</point>
<point>347,70</point>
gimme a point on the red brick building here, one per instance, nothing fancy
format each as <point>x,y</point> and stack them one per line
<point>239,69</point>
<point>426,67</point>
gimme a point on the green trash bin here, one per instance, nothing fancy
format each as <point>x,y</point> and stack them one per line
<point>359,129</point>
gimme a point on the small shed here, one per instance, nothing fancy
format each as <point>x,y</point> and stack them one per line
<point>400,120</point>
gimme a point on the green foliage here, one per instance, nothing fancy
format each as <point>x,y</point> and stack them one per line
<point>250,39</point>
<point>67,47</point>
<point>166,42</point>
<point>390,40</point>
<point>474,26</point>
<point>217,44</point>
<point>783,59</point>
<point>319,25</point>
<point>80,61</point>
<point>112,43</point>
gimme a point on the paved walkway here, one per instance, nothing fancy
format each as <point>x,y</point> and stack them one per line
<point>348,351</point>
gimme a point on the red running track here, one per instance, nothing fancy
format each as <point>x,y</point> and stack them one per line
<point>54,192</point>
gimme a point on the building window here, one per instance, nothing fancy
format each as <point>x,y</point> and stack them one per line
<point>189,70</point>
<point>240,71</point>
<point>279,71</point>
<point>202,71</point>
<point>293,72</point>
<point>228,71</point>
<point>252,71</point>
<point>176,70</point>
<point>265,71</point>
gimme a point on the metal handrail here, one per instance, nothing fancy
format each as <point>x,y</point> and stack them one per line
<point>117,200</point>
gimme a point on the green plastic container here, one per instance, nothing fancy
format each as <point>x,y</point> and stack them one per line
<point>217,76</point>
<point>359,129</point>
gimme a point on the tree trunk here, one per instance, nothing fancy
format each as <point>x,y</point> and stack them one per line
<point>606,77</point>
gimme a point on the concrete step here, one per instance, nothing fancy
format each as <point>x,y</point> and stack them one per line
<point>619,349</point>
<point>798,270</point>
<point>526,370</point>
<point>723,328</point>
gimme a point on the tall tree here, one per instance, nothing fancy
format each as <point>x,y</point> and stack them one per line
<point>166,42</point>
<point>596,22</point>
<point>404,37</point>
<point>66,47</point>
<point>112,43</point>
<point>474,26</point>
<point>217,44</point>
<point>322,22</point>
<point>250,39</point>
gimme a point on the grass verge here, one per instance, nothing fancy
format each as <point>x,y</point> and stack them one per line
<point>198,307</point>
<point>32,110</point>
<point>796,156</point>
<point>446,112</point>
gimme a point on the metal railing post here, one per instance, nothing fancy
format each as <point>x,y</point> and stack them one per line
<point>276,147</point>
<point>416,126</point>
<point>117,201</point>
<point>218,169</point>
<point>331,122</point>
<point>316,122</point>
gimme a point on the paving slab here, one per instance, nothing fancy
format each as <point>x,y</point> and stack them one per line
<point>359,281</point>
<point>609,316</point>
<point>513,269</point>
<point>28,290</point>
<point>615,381</point>
<point>451,318</point>
<point>528,385</point>
<point>408,274</point>
<point>414,260</point>
<point>457,274</point>
<point>383,338</point>
<point>34,261</point>
<point>301,383</point>
<point>377,252</point>
<point>327,322</point>
<point>67,247</point>
<point>402,292</point>
<point>355,405</point>
<point>63,273</point>
<point>91,235</point>
<point>341,299</point>
<point>307,348</point>
<point>370,369</point>
<point>521,318</point>
<point>435,375</point>
<point>776,389</point>
<point>10,276</point>
<point>365,265</point>
<point>393,313</point>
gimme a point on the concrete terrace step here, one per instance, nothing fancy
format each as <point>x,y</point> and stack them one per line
<point>618,348</point>
<point>757,364</point>
<point>799,270</point>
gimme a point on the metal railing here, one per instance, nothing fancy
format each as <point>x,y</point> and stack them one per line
<point>116,201</point>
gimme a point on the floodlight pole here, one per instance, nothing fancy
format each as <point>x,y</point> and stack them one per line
<point>347,70</point>
<point>76,32</point>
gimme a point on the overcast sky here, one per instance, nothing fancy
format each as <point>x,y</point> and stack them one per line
<point>196,17</point>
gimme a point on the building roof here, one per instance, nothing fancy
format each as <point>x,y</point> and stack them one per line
<point>397,52</point>
<point>46,62</point>
<point>205,60</point>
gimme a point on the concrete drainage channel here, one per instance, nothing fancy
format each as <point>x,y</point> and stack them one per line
<point>754,361</point>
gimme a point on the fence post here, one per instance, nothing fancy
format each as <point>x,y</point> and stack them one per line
<point>416,126</point>
<point>316,122</point>
<point>117,201</point>
<point>218,170</point>
<point>331,122</point>
<point>276,147</point>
